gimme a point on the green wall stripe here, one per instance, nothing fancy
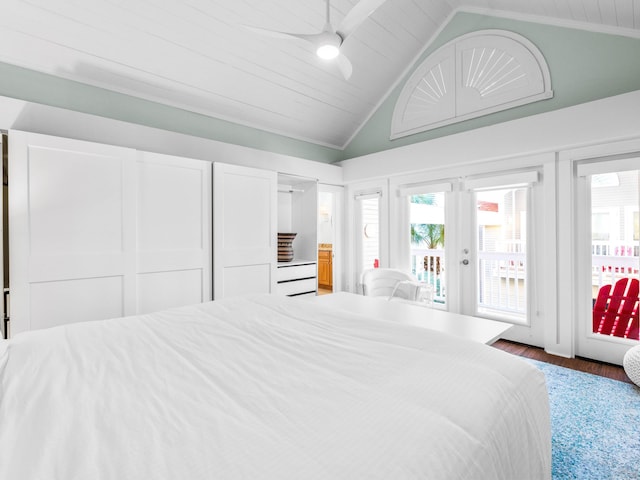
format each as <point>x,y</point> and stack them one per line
<point>32,86</point>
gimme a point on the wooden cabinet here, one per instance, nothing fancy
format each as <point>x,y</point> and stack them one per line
<point>325,267</point>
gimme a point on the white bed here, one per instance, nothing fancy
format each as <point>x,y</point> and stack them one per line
<point>266,387</point>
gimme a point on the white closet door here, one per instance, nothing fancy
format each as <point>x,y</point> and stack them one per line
<point>244,230</point>
<point>173,231</point>
<point>72,231</point>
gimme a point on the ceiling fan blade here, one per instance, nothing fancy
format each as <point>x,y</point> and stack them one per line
<point>356,16</point>
<point>345,66</point>
<point>283,35</point>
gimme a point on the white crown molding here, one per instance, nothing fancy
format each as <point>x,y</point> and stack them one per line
<point>555,22</point>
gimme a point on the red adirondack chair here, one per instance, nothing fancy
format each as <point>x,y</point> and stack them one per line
<point>616,313</point>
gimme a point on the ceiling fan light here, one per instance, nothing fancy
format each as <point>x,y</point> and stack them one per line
<point>328,51</point>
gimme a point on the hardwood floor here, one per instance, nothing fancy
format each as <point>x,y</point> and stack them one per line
<point>582,364</point>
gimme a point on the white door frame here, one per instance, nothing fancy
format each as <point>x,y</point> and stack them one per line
<point>572,261</point>
<point>532,331</point>
<point>590,345</point>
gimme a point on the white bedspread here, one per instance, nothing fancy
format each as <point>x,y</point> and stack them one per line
<point>266,387</point>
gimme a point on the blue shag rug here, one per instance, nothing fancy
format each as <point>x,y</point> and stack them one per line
<point>595,425</point>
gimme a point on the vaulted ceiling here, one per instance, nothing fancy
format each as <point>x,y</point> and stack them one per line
<point>198,55</point>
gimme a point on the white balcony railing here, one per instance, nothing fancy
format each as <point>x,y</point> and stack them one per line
<point>427,264</point>
<point>608,269</point>
<point>502,283</point>
<point>502,276</point>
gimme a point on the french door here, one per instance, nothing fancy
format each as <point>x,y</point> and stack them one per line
<point>608,200</point>
<point>471,241</point>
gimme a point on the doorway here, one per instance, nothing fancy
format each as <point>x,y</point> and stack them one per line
<point>609,258</point>
<point>470,242</point>
<point>330,204</point>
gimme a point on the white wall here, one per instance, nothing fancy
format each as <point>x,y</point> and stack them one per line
<point>325,217</point>
<point>552,143</point>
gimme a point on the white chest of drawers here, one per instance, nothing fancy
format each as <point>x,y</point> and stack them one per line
<point>297,278</point>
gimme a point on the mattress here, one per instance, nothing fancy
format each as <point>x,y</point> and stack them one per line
<point>266,387</point>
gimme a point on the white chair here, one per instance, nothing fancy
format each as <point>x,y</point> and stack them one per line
<point>390,283</point>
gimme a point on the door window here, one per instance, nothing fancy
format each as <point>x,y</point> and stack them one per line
<point>608,253</point>
<point>501,226</point>
<point>502,277</point>
<point>615,246</point>
<point>368,230</point>
<point>427,224</point>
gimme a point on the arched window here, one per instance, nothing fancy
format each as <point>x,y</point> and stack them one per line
<point>474,75</point>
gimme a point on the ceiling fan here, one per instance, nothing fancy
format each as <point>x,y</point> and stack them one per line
<point>329,40</point>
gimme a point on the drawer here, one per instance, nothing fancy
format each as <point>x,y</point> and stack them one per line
<point>296,286</point>
<point>307,295</point>
<point>295,271</point>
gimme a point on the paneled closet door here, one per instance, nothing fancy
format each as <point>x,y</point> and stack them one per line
<point>244,230</point>
<point>173,231</point>
<point>72,231</point>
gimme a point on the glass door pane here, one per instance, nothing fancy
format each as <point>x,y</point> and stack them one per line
<point>501,225</point>
<point>426,216</point>
<point>615,245</point>
<point>369,236</point>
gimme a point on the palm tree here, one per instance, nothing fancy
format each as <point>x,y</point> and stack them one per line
<point>417,237</point>
<point>429,234</point>
<point>434,234</point>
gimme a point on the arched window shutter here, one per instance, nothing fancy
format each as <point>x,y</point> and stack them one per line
<point>473,75</point>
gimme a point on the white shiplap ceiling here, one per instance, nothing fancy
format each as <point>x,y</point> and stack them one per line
<point>196,55</point>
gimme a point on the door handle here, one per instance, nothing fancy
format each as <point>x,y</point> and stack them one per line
<point>465,262</point>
